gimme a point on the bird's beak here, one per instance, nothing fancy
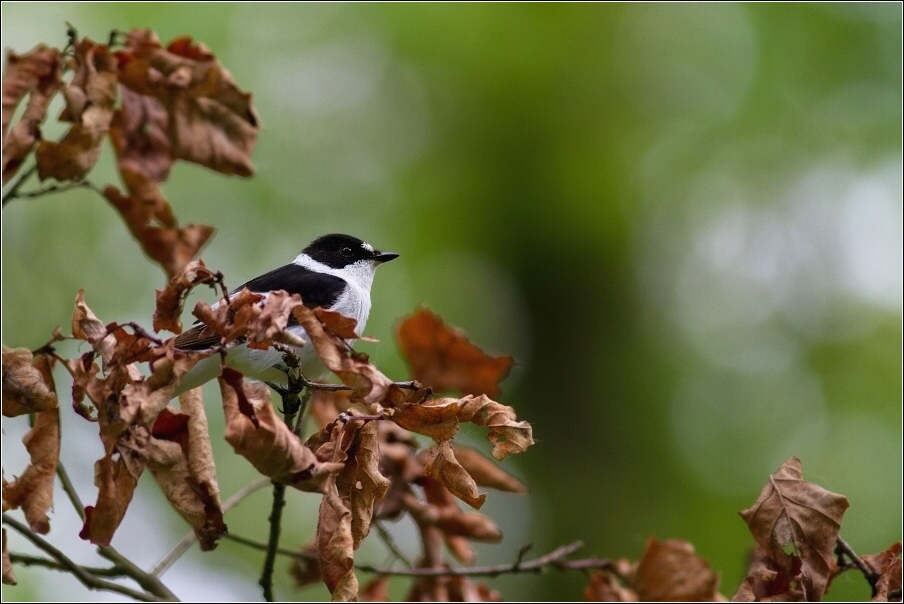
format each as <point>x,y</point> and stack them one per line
<point>382,257</point>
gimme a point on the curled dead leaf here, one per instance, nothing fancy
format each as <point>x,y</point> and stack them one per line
<point>116,485</point>
<point>33,490</point>
<point>803,515</point>
<point>887,565</point>
<point>210,121</point>
<point>360,484</point>
<point>443,358</point>
<point>90,98</point>
<point>174,248</point>
<point>140,136</point>
<point>671,571</point>
<point>439,420</point>
<point>193,494</point>
<point>25,389</point>
<point>37,74</point>
<point>485,472</point>
<point>171,299</point>
<point>605,587</point>
<point>258,435</point>
<point>441,465</point>
<point>9,578</point>
<point>335,546</point>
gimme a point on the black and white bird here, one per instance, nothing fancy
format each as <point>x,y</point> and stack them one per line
<point>334,271</point>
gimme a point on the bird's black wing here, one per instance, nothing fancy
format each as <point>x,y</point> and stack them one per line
<point>315,289</point>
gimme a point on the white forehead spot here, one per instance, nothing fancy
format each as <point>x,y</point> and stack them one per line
<point>367,246</point>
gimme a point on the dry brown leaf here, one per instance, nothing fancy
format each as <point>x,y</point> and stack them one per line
<point>193,494</point>
<point>171,299</point>
<point>441,510</point>
<point>229,321</point>
<point>37,74</point>
<point>258,435</point>
<point>306,570</point>
<point>143,207</point>
<point>24,387</point>
<point>128,405</point>
<point>766,581</point>
<point>270,323</point>
<point>375,590</point>
<point>605,587</point>
<point>360,484</point>
<point>443,358</point>
<point>90,98</point>
<point>671,571</point>
<point>33,490</point>
<point>140,136</point>
<point>200,453</point>
<point>174,248</point>
<point>335,546</point>
<point>485,472</point>
<point>439,419</point>
<point>86,326</point>
<point>887,565</point>
<point>116,485</point>
<point>150,219</point>
<point>399,463</point>
<point>9,578</point>
<point>803,515</point>
<point>210,120</point>
<point>441,465</point>
<point>369,385</point>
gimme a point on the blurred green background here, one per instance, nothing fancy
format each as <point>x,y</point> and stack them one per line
<point>684,221</point>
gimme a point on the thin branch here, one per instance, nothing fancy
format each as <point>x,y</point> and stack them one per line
<point>189,539</point>
<point>554,559</point>
<point>148,582</point>
<point>70,491</point>
<point>13,191</point>
<point>842,549</point>
<point>26,560</point>
<point>279,502</point>
<point>390,544</point>
<point>85,577</point>
<point>292,405</point>
<point>58,188</point>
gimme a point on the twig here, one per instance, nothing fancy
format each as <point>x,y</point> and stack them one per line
<point>13,191</point>
<point>843,549</point>
<point>390,543</point>
<point>148,582</point>
<point>554,559</point>
<point>189,539</point>
<point>70,491</point>
<point>26,560</point>
<point>58,188</point>
<point>85,577</point>
<point>260,545</point>
<point>292,405</point>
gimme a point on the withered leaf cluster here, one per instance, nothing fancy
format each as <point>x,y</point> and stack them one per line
<point>365,458</point>
<point>156,104</point>
<point>666,571</point>
<point>795,525</point>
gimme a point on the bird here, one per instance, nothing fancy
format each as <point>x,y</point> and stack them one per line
<point>334,271</point>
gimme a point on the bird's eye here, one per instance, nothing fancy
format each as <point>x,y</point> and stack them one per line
<point>346,251</point>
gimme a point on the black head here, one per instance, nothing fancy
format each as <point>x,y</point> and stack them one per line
<point>337,251</point>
